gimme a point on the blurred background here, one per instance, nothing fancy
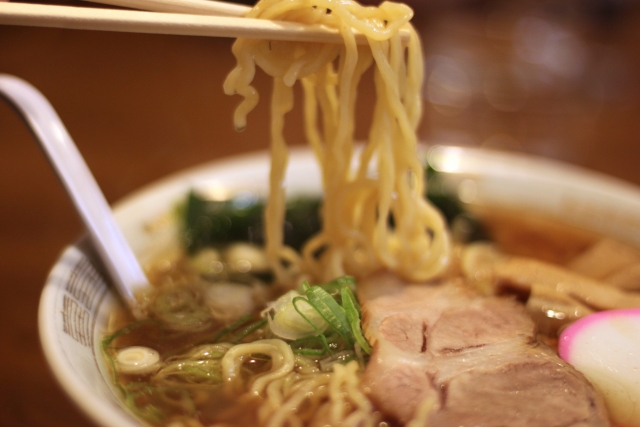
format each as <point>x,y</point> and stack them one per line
<point>556,78</point>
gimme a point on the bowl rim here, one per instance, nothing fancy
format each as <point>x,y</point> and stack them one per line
<point>95,409</point>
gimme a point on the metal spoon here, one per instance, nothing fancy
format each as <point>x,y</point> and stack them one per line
<point>117,256</point>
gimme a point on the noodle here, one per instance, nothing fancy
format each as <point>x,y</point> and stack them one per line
<point>374,215</point>
<point>327,399</point>
<point>369,222</point>
<point>294,398</point>
<point>283,403</point>
<point>345,394</point>
<point>281,358</point>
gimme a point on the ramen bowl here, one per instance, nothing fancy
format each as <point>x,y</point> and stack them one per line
<point>77,298</point>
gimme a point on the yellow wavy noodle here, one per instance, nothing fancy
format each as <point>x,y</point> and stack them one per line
<point>282,363</point>
<point>357,236</point>
<point>318,399</point>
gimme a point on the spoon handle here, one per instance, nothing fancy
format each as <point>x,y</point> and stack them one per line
<point>115,252</point>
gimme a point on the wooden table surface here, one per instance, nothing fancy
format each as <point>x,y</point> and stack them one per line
<point>142,106</point>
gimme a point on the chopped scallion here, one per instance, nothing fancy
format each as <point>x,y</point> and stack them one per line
<point>353,312</point>
<point>331,311</point>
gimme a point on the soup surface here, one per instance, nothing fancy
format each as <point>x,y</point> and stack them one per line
<point>207,300</point>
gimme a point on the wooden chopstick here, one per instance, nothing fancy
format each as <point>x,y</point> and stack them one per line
<point>134,21</point>
<point>195,7</point>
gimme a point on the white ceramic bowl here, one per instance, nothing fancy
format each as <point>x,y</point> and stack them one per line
<point>77,297</point>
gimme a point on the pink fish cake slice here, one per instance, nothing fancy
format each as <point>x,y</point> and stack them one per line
<point>605,347</point>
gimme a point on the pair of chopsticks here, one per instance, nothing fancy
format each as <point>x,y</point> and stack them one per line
<point>177,17</point>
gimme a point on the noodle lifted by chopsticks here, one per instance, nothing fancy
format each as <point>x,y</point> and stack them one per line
<point>368,222</point>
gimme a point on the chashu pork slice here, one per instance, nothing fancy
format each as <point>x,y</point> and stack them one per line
<point>476,357</point>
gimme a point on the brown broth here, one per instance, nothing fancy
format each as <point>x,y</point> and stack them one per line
<point>211,404</point>
<point>516,233</point>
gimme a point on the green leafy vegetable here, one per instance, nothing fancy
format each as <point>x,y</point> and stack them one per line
<point>241,334</point>
<point>108,340</point>
<point>336,304</point>
<point>206,371</point>
<point>319,333</point>
<point>292,317</point>
<point>141,397</point>
<point>333,287</point>
<point>319,345</point>
<point>331,311</point>
<point>134,391</point>
<point>352,309</point>
<point>215,223</point>
<point>232,327</point>
<point>180,309</point>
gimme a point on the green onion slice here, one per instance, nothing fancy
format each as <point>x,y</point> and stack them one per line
<point>320,335</point>
<point>353,312</point>
<point>330,310</point>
